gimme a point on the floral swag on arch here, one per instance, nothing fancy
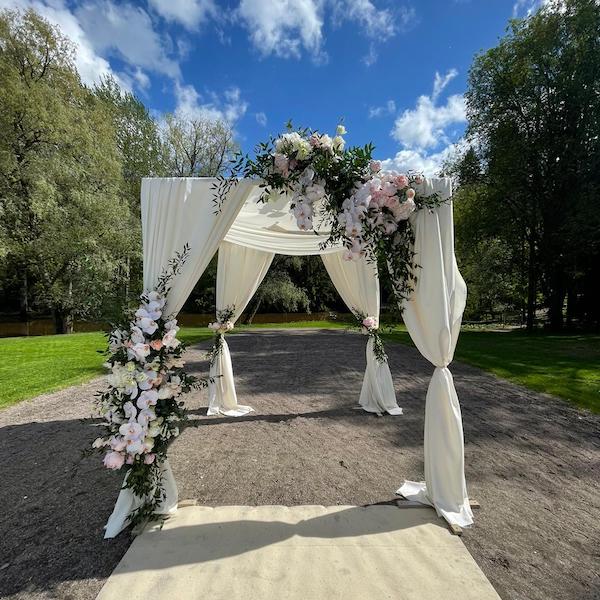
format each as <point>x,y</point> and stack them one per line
<point>343,190</point>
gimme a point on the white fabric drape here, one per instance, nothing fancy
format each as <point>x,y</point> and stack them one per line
<point>176,211</point>
<point>357,282</point>
<point>271,227</point>
<point>240,271</point>
<point>433,316</point>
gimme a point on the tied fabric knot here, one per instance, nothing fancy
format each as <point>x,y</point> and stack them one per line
<point>221,327</point>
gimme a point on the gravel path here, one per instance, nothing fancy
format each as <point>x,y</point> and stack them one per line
<point>532,462</point>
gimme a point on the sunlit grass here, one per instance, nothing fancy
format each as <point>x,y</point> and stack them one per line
<point>567,366</point>
<point>30,366</point>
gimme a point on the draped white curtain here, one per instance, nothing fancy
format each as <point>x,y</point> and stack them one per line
<point>433,316</point>
<point>176,211</point>
<point>240,271</point>
<point>357,282</point>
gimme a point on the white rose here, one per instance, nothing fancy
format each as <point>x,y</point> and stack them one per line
<point>338,143</point>
<point>341,130</point>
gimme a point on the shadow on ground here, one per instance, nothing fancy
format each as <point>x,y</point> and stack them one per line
<point>532,461</point>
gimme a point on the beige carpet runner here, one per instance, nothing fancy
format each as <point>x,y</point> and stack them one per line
<point>298,553</point>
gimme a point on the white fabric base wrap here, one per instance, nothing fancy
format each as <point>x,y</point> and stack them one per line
<point>127,502</point>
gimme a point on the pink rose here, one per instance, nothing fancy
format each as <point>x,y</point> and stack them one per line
<point>114,460</point>
<point>375,166</point>
<point>370,322</point>
<point>156,345</point>
<point>401,182</point>
<point>281,163</point>
<point>117,443</point>
<point>403,211</point>
<point>149,458</point>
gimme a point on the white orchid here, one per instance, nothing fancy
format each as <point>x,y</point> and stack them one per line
<point>129,410</point>
<point>137,336</point>
<point>169,340</point>
<point>306,177</point>
<point>139,352</point>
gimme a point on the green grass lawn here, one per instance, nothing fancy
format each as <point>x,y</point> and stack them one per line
<point>30,366</point>
<point>567,366</point>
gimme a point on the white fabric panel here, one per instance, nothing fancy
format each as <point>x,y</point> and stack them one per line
<point>176,211</point>
<point>357,282</point>
<point>127,502</point>
<point>240,271</point>
<point>433,316</point>
<point>270,226</point>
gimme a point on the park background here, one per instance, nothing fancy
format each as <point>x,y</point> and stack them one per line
<point>526,176</point>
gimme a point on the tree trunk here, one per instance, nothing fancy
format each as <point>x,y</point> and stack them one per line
<point>556,304</point>
<point>531,286</point>
<point>63,321</point>
<point>24,298</point>
<point>252,313</point>
<point>571,304</point>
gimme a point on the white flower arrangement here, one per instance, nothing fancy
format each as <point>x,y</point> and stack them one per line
<point>140,405</point>
<point>221,326</point>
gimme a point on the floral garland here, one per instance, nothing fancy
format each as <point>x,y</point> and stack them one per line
<point>140,406</point>
<point>370,326</point>
<point>344,190</point>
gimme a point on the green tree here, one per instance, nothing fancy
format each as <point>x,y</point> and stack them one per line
<point>197,146</point>
<point>278,292</point>
<point>62,222</point>
<point>141,154</point>
<point>533,105</point>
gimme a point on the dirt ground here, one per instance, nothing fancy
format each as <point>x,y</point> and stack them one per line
<point>532,462</point>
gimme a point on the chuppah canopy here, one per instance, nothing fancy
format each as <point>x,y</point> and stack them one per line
<point>248,233</point>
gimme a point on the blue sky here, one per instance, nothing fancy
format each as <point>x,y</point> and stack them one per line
<point>394,71</point>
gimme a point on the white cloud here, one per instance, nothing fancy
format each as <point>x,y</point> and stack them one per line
<point>424,126</point>
<point>424,132</point>
<point>261,118</point>
<point>127,31</point>
<point>440,82</point>
<point>190,104</point>
<point>421,161</point>
<point>284,27</point>
<point>377,24</point>
<point>381,111</point>
<point>525,8</point>
<point>189,13</point>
